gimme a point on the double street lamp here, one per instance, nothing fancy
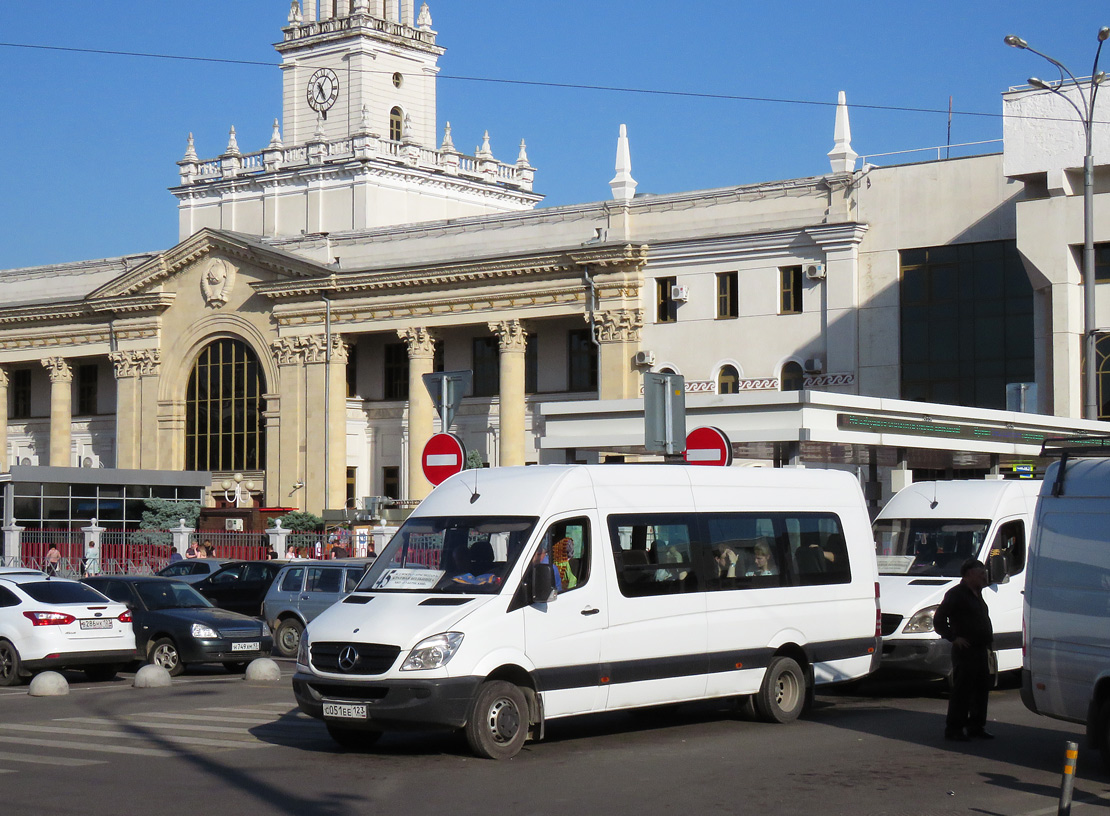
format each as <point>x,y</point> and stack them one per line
<point>1086,118</point>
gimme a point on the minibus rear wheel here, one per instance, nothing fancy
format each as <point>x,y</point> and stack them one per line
<point>498,723</point>
<point>783,693</point>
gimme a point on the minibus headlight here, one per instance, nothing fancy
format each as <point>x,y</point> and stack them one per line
<point>434,652</point>
<point>922,622</point>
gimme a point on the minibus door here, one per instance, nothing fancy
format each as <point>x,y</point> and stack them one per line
<point>563,636</point>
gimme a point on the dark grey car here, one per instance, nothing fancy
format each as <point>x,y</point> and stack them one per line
<point>304,589</point>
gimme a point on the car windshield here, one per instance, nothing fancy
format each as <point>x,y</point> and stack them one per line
<point>927,546</point>
<point>469,554</point>
<point>170,595</point>
<point>63,592</point>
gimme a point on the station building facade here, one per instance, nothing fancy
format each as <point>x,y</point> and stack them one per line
<point>316,280</point>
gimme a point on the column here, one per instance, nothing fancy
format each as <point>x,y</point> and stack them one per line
<point>61,411</point>
<point>3,419</point>
<point>618,332</point>
<point>421,348</point>
<point>511,337</point>
<point>136,373</point>
<point>324,436</point>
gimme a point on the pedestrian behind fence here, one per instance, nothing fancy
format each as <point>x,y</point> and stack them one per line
<point>91,562</point>
<point>53,559</point>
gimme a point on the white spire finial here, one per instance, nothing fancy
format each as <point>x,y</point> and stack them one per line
<point>191,150</point>
<point>407,135</point>
<point>448,145</point>
<point>364,124</point>
<point>295,13</point>
<point>319,135</point>
<point>522,156</point>
<point>842,158</point>
<point>275,138</point>
<point>232,144</point>
<point>424,21</point>
<point>623,185</point>
<point>484,152</point>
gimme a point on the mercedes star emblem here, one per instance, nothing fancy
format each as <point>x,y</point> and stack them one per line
<point>348,658</point>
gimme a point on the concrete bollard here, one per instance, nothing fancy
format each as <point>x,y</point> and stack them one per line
<point>263,670</point>
<point>152,676</point>
<point>49,684</point>
<point>1071,754</point>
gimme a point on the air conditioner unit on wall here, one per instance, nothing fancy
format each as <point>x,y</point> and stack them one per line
<point>233,524</point>
<point>680,293</point>
<point>645,358</point>
<point>815,271</point>
<point>814,365</point>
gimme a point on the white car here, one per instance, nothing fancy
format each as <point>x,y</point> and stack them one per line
<point>54,623</point>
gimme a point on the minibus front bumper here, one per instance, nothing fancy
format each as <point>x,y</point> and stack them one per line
<point>918,656</point>
<point>391,704</point>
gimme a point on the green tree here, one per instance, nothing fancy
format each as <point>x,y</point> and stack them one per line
<point>162,514</point>
<point>473,460</point>
<point>300,522</point>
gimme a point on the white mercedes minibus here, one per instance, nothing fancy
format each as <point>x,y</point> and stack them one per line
<point>514,596</point>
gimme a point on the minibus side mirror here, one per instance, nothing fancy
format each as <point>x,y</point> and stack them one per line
<point>541,584</point>
<point>996,569</point>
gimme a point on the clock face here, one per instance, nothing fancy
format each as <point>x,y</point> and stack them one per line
<point>323,89</point>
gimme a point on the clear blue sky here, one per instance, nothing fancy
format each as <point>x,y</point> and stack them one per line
<point>89,142</point>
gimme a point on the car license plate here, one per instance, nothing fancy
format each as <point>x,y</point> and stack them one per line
<point>246,647</point>
<point>97,623</point>
<point>345,711</point>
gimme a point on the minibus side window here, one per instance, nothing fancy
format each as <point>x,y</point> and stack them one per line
<point>742,551</point>
<point>566,546</point>
<point>1010,544</point>
<point>655,553</point>
<point>818,551</point>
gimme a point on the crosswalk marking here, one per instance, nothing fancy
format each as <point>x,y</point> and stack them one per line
<point>257,711</point>
<point>299,722</point>
<point>34,759</point>
<point>94,732</point>
<point>89,746</point>
<point>146,723</point>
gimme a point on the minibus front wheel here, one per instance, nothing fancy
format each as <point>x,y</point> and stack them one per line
<point>783,693</point>
<point>498,723</point>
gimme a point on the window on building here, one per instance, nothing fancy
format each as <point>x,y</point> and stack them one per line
<point>1102,349</point>
<point>487,366</point>
<point>581,361</point>
<point>792,377</point>
<point>728,380</point>
<point>352,371</point>
<point>395,372</point>
<point>790,289</point>
<point>966,314</point>
<point>396,124</point>
<point>1102,262</point>
<point>21,393</point>
<point>391,482</point>
<point>224,428</point>
<point>87,381</point>
<point>666,310</point>
<point>531,363</point>
<point>351,474</point>
<point>728,299</point>
<point>437,355</point>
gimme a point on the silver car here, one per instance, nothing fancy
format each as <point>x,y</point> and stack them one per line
<point>304,589</point>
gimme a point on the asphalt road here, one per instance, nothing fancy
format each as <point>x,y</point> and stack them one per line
<point>215,744</point>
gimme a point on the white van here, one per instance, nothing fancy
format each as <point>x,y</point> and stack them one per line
<point>514,596</point>
<point>1066,673</point>
<point>922,536</point>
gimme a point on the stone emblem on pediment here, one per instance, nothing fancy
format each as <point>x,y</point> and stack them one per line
<point>216,282</point>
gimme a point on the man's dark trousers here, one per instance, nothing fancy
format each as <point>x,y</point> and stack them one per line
<point>971,685</point>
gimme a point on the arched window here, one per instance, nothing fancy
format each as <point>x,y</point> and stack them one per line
<point>396,124</point>
<point>224,427</point>
<point>792,377</point>
<point>1102,358</point>
<point>728,380</point>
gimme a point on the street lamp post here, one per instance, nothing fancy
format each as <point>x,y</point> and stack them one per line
<point>1086,119</point>
<point>236,490</point>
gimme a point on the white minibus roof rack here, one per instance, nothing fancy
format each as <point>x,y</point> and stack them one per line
<point>1069,446</point>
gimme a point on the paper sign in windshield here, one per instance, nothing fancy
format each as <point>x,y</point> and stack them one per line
<point>895,564</point>
<point>408,579</point>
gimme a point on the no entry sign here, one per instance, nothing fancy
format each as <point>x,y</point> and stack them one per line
<point>708,446</point>
<point>444,456</point>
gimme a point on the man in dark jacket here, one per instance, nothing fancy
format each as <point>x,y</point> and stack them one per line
<point>963,619</point>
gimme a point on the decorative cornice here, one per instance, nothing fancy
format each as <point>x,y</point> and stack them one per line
<point>308,348</point>
<point>136,362</point>
<point>59,370</point>
<point>420,341</point>
<point>619,326</point>
<point>510,335</point>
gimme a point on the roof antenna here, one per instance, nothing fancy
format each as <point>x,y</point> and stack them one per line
<point>933,503</point>
<point>475,495</point>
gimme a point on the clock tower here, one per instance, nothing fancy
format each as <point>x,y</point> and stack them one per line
<point>341,57</point>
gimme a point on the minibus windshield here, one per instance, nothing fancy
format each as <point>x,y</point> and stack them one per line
<point>450,554</point>
<point>927,546</point>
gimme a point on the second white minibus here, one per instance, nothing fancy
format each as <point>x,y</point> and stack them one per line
<point>515,596</point>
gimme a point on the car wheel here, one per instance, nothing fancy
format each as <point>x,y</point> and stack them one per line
<point>238,667</point>
<point>101,674</point>
<point>163,652</point>
<point>498,723</point>
<point>353,739</point>
<point>287,638</point>
<point>9,664</point>
<point>783,693</point>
